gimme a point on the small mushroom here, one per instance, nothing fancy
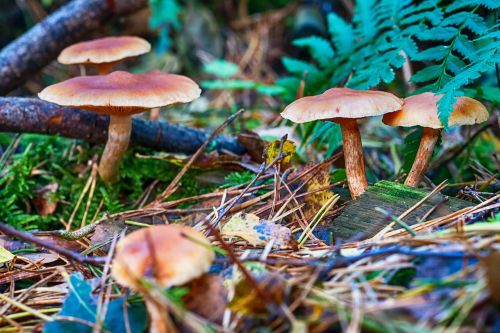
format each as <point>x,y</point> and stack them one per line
<point>120,95</point>
<point>344,106</point>
<point>422,110</point>
<point>170,255</point>
<point>104,52</point>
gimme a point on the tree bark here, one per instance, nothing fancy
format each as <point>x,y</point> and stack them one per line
<point>31,115</point>
<point>72,23</point>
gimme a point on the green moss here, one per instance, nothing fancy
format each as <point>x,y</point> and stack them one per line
<point>60,161</point>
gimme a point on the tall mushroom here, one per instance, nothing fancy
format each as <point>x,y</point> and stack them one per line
<point>344,106</point>
<point>120,95</point>
<point>169,255</point>
<point>104,52</point>
<point>422,110</point>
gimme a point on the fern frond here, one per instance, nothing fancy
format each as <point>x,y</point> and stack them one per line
<point>365,20</point>
<point>341,34</point>
<point>299,67</point>
<point>320,48</point>
<point>459,4</point>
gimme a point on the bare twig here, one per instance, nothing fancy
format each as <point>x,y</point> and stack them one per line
<point>7,230</point>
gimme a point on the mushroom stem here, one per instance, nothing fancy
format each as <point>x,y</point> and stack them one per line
<point>105,68</point>
<point>424,154</point>
<point>119,131</point>
<point>159,319</point>
<point>353,156</point>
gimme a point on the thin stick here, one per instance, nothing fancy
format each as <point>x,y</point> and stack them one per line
<point>9,231</point>
<point>23,307</point>
<point>173,185</point>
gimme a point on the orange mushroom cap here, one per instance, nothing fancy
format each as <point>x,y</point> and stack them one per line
<point>121,93</point>
<point>422,110</point>
<point>169,254</point>
<point>342,103</point>
<point>104,50</point>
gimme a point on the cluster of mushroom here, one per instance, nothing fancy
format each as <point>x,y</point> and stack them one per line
<point>344,106</point>
<point>118,94</point>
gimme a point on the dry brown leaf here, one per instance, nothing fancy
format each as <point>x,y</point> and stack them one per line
<point>207,297</point>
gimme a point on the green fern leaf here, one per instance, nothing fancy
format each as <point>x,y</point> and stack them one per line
<point>365,20</point>
<point>298,67</point>
<point>427,74</point>
<point>433,53</point>
<point>455,64</point>
<point>465,47</point>
<point>459,4</point>
<point>320,48</point>
<point>445,106</point>
<point>341,34</point>
<point>411,144</point>
<point>472,21</point>
<point>221,68</point>
<point>437,33</point>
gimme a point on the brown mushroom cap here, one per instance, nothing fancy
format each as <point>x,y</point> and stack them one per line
<point>342,103</point>
<point>104,50</point>
<point>121,93</point>
<point>422,110</point>
<point>179,255</point>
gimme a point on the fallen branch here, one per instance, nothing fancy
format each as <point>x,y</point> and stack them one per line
<point>41,44</point>
<point>31,115</point>
<point>9,231</point>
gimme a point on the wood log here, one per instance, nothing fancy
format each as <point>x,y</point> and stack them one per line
<point>42,43</point>
<point>31,115</point>
<point>360,216</point>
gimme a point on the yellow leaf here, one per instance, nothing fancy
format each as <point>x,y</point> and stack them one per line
<point>316,200</point>
<point>5,255</point>
<point>255,231</point>
<point>273,149</point>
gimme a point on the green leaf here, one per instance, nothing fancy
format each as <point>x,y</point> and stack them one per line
<point>445,107</point>
<point>472,21</point>
<point>320,48</point>
<point>365,20</point>
<point>299,67</point>
<point>221,68</point>
<point>270,90</point>
<point>465,47</point>
<point>491,94</point>
<point>458,4</point>
<point>290,85</point>
<point>164,12</point>
<point>437,33</point>
<point>455,64</point>
<point>228,84</point>
<point>341,34</point>
<point>411,144</point>
<point>82,304</point>
<point>433,53</point>
<point>427,74</point>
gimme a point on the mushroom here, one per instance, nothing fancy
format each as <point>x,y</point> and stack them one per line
<point>104,52</point>
<point>169,255</point>
<point>120,95</point>
<point>344,106</point>
<point>422,110</point>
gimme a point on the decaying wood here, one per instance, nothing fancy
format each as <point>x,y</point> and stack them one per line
<point>31,115</point>
<point>361,216</point>
<point>41,44</point>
